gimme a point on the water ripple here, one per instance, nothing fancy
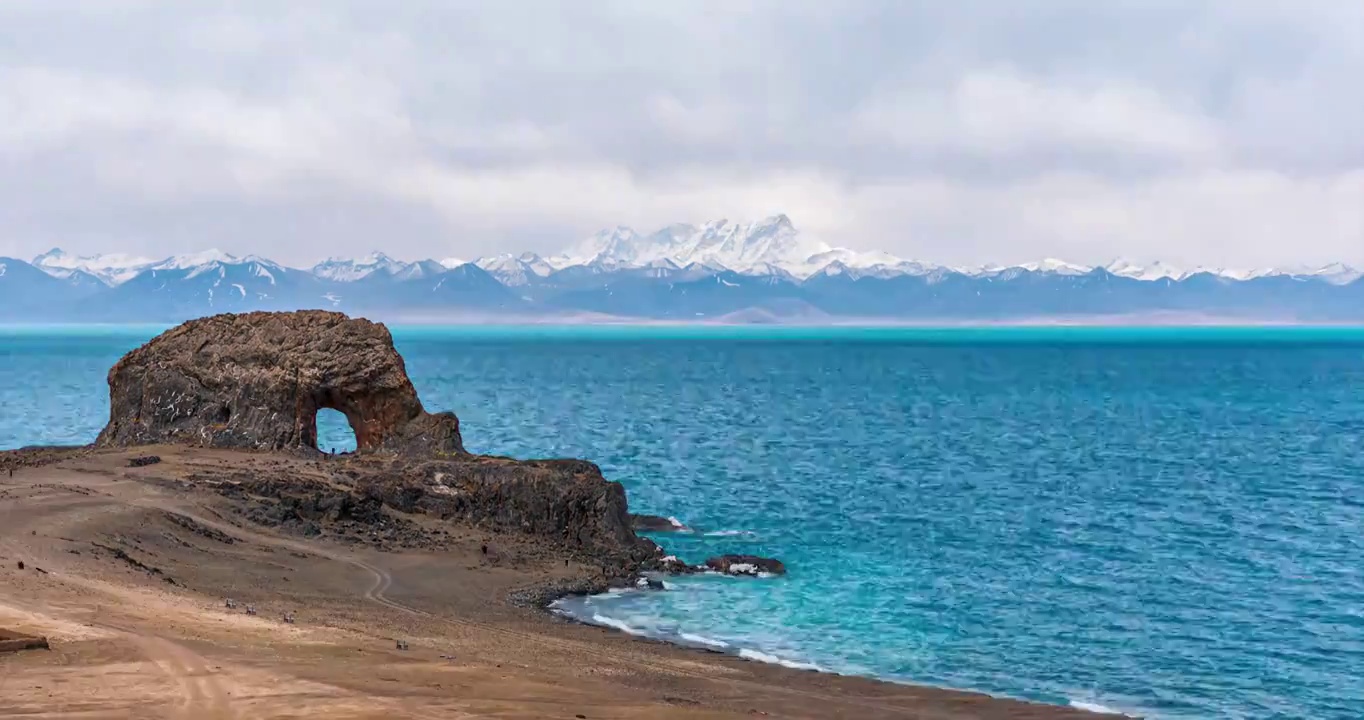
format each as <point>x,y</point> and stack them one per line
<point>1167,528</point>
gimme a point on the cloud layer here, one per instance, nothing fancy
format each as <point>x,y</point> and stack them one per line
<point>1222,133</point>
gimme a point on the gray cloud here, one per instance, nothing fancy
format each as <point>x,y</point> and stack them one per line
<point>1211,132</point>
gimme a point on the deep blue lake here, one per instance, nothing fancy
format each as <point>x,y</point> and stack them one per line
<point>1157,521</point>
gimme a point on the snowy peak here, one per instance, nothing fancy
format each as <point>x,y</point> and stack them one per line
<point>853,259</point>
<point>515,270</point>
<point>1155,271</point>
<point>197,260</point>
<point>418,270</point>
<point>1336,274</point>
<point>352,269</point>
<point>111,269</point>
<point>1056,267</point>
<point>377,265</point>
<point>742,247</point>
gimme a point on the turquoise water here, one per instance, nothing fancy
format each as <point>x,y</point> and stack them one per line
<point>1165,522</point>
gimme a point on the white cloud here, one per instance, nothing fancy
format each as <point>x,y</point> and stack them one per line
<point>1212,133</point>
<point>998,113</point>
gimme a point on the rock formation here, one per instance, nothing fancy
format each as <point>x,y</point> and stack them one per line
<point>257,380</point>
<point>564,502</point>
<point>746,565</point>
<point>657,523</point>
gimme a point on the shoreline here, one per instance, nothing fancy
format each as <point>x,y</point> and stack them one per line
<point>424,594</point>
<point>763,658</point>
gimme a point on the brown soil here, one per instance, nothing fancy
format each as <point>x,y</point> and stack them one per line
<point>128,570</point>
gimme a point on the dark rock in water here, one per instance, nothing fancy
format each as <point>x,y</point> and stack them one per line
<point>656,523</point>
<point>144,461</point>
<point>257,380</point>
<point>671,564</point>
<point>745,565</point>
<point>654,584</point>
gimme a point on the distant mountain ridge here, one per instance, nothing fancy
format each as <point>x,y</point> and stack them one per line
<point>763,271</point>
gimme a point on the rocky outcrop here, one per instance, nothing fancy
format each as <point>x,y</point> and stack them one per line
<point>257,380</point>
<point>567,501</point>
<point>657,523</point>
<point>746,565</point>
<point>18,642</point>
<point>566,504</point>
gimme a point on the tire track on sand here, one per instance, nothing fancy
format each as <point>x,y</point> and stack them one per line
<point>204,695</point>
<point>383,580</point>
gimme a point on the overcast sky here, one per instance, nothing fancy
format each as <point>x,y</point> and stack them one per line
<point>1224,133</point>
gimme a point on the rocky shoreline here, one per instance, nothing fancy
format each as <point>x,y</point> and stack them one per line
<point>256,381</point>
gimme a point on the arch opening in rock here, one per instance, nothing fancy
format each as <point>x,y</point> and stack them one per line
<point>332,431</point>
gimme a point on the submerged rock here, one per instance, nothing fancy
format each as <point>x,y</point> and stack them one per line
<point>648,583</point>
<point>657,523</point>
<point>257,380</point>
<point>746,565</point>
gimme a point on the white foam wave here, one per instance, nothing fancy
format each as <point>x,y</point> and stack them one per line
<point>615,624</point>
<point>763,657</point>
<point>703,640</point>
<point>1094,707</point>
<point>677,524</point>
<point>730,533</point>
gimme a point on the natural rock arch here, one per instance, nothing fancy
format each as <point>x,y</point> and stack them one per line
<point>257,380</point>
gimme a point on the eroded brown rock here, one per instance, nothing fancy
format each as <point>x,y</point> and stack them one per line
<point>257,380</point>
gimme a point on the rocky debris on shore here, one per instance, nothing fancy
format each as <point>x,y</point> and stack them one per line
<point>566,504</point>
<point>39,455</point>
<point>257,380</point>
<point>17,642</point>
<point>198,528</point>
<point>746,565</point>
<point>657,523</point>
<point>144,460</point>
<point>136,564</point>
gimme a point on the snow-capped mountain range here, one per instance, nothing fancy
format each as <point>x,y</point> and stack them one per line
<point>679,271</point>
<point>771,246</point>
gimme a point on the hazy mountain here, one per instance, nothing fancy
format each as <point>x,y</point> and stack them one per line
<point>350,269</point>
<point>111,269</point>
<point>754,272</point>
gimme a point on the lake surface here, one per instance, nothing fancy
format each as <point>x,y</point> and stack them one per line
<point>1163,522</point>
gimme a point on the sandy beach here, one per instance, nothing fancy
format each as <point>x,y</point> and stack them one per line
<point>127,572</point>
